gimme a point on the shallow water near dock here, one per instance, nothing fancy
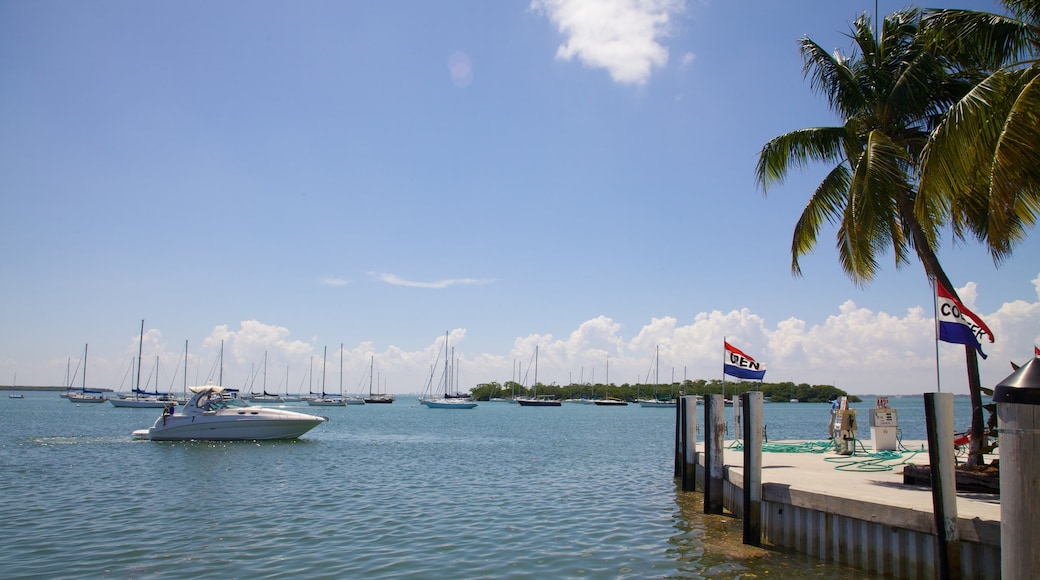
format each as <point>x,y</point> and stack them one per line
<point>381,491</point>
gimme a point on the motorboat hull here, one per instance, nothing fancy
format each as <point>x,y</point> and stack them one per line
<point>214,414</point>
<point>229,428</point>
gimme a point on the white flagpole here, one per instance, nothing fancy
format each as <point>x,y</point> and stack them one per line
<point>724,368</point>
<point>935,313</point>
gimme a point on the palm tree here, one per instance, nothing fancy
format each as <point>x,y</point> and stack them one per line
<point>889,100</point>
<point>981,168</point>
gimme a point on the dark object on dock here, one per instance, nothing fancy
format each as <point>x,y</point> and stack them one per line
<point>983,479</point>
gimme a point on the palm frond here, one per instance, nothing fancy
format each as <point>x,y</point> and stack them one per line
<point>826,205</point>
<point>796,150</point>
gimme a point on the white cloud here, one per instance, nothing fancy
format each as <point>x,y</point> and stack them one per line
<point>398,281</point>
<point>461,69</point>
<point>622,36</point>
<point>856,349</point>
<point>333,281</point>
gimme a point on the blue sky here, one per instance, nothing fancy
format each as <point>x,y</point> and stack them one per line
<point>576,174</point>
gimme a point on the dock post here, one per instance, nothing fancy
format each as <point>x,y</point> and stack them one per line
<point>688,403</point>
<point>1018,426</point>
<point>938,413</point>
<point>680,447</point>
<point>714,434</point>
<point>753,436</point>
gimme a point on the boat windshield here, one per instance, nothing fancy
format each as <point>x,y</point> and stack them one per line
<point>213,401</point>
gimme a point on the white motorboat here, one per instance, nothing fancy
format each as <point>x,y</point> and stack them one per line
<point>212,414</point>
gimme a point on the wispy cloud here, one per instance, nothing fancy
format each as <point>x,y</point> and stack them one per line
<point>622,36</point>
<point>333,281</point>
<point>398,281</point>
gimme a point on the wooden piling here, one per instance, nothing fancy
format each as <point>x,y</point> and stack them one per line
<point>680,449</point>
<point>753,437</point>
<point>714,434</point>
<point>938,413</point>
<point>688,403</point>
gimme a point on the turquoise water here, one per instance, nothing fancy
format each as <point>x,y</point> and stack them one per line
<point>381,491</point>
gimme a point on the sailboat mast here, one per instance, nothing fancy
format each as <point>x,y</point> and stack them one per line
<point>536,370</point>
<point>324,357</point>
<point>341,369</point>
<point>85,368</point>
<point>371,366</point>
<point>185,393</point>
<point>140,348</point>
<point>446,375</point>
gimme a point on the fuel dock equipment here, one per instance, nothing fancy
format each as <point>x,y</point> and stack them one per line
<point>884,425</point>
<point>843,427</point>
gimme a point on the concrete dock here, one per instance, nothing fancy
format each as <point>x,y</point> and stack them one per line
<point>856,510</point>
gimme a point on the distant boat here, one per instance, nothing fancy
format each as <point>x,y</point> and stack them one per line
<point>212,414</point>
<point>446,401</point>
<point>538,401</point>
<point>141,399</point>
<point>373,397</point>
<point>657,401</point>
<point>326,400</point>
<point>263,396</point>
<point>608,401</point>
<point>13,385</point>
<point>83,395</point>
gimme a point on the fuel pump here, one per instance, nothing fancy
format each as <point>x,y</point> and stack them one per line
<point>884,424</point>
<point>844,428</point>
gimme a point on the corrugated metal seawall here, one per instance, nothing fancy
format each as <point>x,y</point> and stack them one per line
<point>889,541</point>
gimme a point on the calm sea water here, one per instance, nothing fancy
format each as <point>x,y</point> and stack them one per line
<point>382,491</point>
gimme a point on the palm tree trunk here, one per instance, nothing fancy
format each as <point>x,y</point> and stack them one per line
<point>934,269</point>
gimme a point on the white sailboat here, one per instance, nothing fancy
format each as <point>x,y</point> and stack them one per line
<point>83,395</point>
<point>263,396</point>
<point>142,399</point>
<point>608,401</point>
<point>657,401</point>
<point>446,401</point>
<point>327,400</point>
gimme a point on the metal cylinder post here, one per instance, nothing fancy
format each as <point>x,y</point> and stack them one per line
<point>1018,426</point>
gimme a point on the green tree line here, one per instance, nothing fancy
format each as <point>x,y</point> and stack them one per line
<point>775,392</point>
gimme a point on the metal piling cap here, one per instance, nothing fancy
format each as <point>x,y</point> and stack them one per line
<point>1021,386</point>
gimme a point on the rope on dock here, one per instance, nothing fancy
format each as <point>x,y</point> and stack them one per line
<point>792,447</point>
<point>861,460</point>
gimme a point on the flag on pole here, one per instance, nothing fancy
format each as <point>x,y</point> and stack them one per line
<point>1036,350</point>
<point>956,323</point>
<point>737,364</point>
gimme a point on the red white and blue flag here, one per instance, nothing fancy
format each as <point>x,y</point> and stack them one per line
<point>957,324</point>
<point>737,364</point>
